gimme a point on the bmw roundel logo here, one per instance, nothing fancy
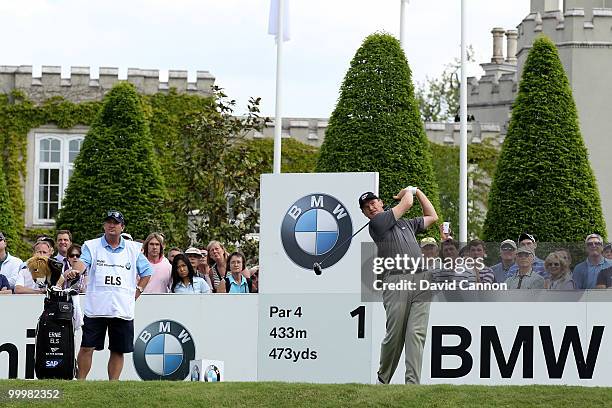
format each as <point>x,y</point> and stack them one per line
<point>212,374</point>
<point>312,227</point>
<point>163,350</point>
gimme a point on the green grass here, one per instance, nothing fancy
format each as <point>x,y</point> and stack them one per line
<point>274,394</point>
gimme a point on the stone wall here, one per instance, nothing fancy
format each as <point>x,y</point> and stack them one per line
<point>81,86</point>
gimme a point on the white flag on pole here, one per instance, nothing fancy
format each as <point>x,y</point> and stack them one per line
<point>273,20</point>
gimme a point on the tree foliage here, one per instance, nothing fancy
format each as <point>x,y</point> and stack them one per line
<point>116,169</point>
<point>438,98</point>
<point>170,114</point>
<point>221,181</point>
<point>544,182</point>
<point>376,124</point>
<point>7,219</point>
<point>482,160</point>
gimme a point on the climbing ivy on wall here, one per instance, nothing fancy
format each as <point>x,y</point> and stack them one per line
<point>168,114</point>
<point>17,117</point>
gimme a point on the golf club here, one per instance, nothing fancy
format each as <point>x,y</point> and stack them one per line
<point>316,267</point>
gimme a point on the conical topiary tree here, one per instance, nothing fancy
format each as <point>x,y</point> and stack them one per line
<point>115,169</point>
<point>544,183</point>
<point>7,220</point>
<point>376,125</point>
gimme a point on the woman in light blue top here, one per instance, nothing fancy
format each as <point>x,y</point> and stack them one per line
<point>183,279</point>
<point>236,281</point>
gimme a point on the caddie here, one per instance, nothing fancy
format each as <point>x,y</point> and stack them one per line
<point>112,264</point>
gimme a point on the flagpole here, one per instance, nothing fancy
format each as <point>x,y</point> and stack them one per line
<point>402,24</point>
<point>463,176</point>
<point>278,120</point>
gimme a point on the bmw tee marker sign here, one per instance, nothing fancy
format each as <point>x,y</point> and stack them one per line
<point>312,227</point>
<point>163,351</point>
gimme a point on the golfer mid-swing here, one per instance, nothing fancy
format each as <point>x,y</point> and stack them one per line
<point>407,310</point>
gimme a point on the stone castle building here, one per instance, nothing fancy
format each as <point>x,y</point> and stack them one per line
<point>51,150</point>
<point>582,31</point>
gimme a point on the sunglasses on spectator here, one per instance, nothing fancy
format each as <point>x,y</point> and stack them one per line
<point>554,264</point>
<point>75,255</point>
<point>594,244</point>
<point>523,255</point>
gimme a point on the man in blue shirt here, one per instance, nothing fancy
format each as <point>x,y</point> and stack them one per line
<point>112,265</point>
<point>529,241</point>
<point>585,273</point>
<point>507,252</point>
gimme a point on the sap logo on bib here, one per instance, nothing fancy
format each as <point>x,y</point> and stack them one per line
<point>312,227</point>
<point>52,363</point>
<point>163,350</point>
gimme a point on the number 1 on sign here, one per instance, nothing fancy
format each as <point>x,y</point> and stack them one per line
<point>360,311</point>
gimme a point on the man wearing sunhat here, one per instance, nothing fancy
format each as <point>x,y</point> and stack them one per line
<point>429,248</point>
<point>112,263</point>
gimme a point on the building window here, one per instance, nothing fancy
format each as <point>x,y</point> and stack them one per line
<point>55,156</point>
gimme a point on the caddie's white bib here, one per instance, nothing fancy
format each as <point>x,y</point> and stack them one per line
<point>112,281</point>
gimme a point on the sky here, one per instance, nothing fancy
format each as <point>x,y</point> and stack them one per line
<point>229,38</point>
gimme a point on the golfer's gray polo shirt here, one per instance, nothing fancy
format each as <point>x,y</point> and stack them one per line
<point>393,237</point>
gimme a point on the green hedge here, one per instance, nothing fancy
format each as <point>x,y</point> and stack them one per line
<point>167,115</point>
<point>376,125</point>
<point>544,183</point>
<point>116,169</point>
<point>482,161</point>
<point>296,157</point>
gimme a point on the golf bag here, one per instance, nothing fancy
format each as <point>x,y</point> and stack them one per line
<point>54,357</point>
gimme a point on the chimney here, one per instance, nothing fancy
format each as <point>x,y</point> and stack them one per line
<point>511,38</point>
<point>498,52</point>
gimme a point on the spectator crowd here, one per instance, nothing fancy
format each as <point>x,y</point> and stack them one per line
<point>210,269</point>
<point>519,267</point>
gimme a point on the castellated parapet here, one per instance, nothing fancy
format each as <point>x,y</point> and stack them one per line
<point>81,87</point>
<point>580,25</point>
